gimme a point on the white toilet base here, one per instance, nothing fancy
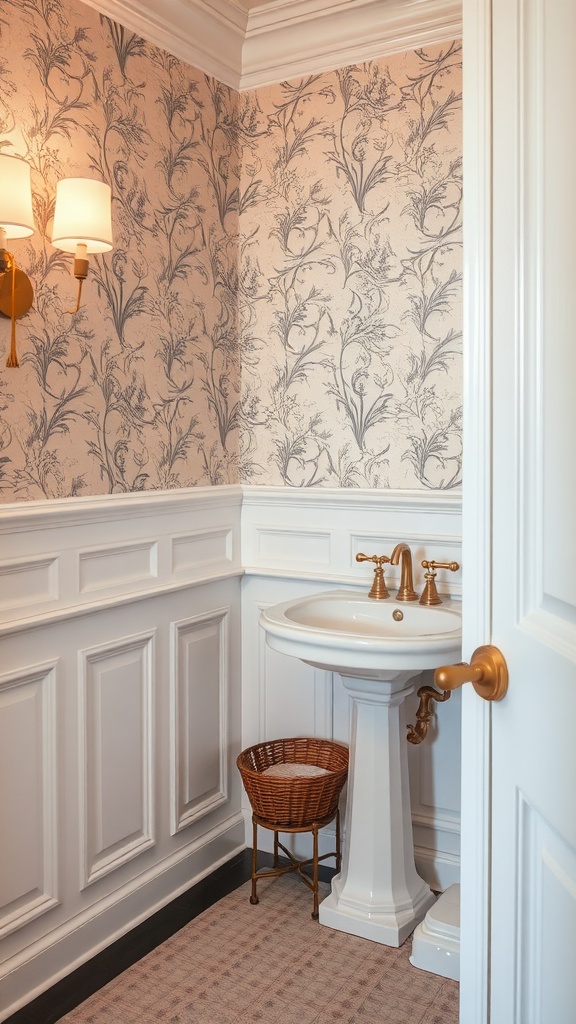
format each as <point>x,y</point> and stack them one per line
<point>436,941</point>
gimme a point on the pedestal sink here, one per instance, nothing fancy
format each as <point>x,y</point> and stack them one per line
<point>377,647</point>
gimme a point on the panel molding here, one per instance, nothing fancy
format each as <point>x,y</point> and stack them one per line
<point>36,683</point>
<point>98,856</point>
<point>546,913</point>
<point>546,593</point>
<point>327,527</point>
<point>104,567</point>
<point>111,868</point>
<point>218,543</point>
<point>92,929</point>
<point>185,809</point>
<point>548,629</point>
<point>83,571</point>
<point>280,544</point>
<point>28,580</point>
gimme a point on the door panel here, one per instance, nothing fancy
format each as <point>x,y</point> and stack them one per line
<point>527,349</point>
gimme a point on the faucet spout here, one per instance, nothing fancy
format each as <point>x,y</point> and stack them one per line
<point>406,590</point>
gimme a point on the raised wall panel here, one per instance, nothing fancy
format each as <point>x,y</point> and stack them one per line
<point>201,549</point>
<point>116,753</point>
<point>289,547</point>
<point>33,581</point>
<point>28,832</point>
<point>293,698</point>
<point>199,682</point>
<point>109,567</point>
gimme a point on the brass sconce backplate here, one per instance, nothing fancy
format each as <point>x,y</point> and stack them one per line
<point>23,293</point>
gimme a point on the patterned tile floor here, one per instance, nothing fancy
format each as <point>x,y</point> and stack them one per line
<point>270,964</point>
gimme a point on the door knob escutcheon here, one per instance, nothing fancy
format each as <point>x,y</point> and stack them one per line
<point>487,671</point>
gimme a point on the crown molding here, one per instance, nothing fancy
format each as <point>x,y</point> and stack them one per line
<point>206,35</point>
<point>299,37</point>
<point>246,44</point>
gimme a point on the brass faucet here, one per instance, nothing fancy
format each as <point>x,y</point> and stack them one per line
<point>406,590</point>
<point>430,594</point>
<point>379,590</point>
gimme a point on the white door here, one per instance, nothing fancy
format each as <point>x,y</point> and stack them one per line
<point>519,756</point>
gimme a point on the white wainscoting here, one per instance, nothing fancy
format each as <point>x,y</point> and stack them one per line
<point>296,542</point>
<point>199,756</point>
<point>119,719</point>
<point>120,696</point>
<point>29,869</point>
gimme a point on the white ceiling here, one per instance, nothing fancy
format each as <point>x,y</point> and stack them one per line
<point>246,44</point>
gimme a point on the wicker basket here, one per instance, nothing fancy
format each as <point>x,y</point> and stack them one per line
<point>294,802</point>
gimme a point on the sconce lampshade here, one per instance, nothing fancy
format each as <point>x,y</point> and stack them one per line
<point>16,215</point>
<point>83,215</point>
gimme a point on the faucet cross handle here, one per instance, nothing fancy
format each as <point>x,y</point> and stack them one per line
<point>379,590</point>
<point>430,593</point>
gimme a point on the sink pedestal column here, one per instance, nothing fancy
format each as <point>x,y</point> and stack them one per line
<point>378,893</point>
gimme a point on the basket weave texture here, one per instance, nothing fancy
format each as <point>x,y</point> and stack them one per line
<point>294,802</point>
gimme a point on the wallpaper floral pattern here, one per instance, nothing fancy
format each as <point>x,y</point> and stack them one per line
<point>350,294</point>
<point>282,304</point>
<point>141,388</point>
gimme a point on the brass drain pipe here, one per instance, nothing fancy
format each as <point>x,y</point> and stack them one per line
<point>427,694</point>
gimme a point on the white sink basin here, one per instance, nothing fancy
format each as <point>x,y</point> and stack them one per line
<point>355,635</point>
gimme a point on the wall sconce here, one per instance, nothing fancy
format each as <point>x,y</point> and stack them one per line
<point>82,223</point>
<point>16,221</point>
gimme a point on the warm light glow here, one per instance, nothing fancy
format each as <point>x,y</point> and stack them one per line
<point>16,217</point>
<point>83,215</point>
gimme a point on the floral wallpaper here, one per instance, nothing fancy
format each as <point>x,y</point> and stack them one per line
<point>350,288</point>
<point>141,388</point>
<point>282,304</point>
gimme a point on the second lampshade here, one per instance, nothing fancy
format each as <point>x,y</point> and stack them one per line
<point>82,222</point>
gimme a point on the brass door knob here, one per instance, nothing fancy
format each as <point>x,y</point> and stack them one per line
<point>487,671</point>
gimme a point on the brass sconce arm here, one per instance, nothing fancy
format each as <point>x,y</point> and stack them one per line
<point>80,273</point>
